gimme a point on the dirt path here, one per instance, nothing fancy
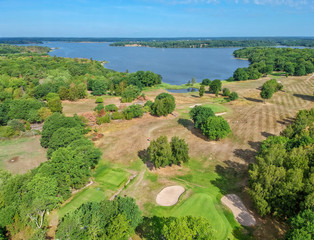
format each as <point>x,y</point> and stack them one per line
<point>124,186</point>
<point>240,212</point>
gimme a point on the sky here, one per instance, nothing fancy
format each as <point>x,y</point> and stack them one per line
<point>156,18</point>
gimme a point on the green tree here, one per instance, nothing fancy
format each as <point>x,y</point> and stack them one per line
<point>233,96</point>
<point>240,74</point>
<point>215,128</point>
<point>226,92</point>
<point>130,93</point>
<point>202,91</point>
<point>164,104</point>
<point>193,81</point>
<point>55,105</point>
<point>215,86</point>
<point>160,152</point>
<point>302,226</point>
<point>206,82</point>
<point>111,108</point>
<point>200,114</point>
<point>180,150</point>
<point>133,111</point>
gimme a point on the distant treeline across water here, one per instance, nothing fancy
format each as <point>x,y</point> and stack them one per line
<point>178,42</point>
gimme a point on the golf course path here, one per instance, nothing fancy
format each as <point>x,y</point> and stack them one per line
<point>169,196</point>
<point>238,209</point>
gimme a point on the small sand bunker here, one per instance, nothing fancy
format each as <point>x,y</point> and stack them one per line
<point>169,196</point>
<point>238,209</point>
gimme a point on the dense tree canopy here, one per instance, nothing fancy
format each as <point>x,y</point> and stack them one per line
<point>115,220</point>
<point>281,179</point>
<point>215,128</point>
<point>293,61</point>
<point>199,115</point>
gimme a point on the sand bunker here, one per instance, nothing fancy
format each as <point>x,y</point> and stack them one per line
<point>238,209</point>
<point>169,196</point>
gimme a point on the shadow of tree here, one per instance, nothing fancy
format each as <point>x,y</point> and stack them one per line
<point>255,145</point>
<point>229,177</point>
<point>189,125</point>
<point>253,99</point>
<point>247,155</point>
<point>304,97</point>
<point>266,134</point>
<point>144,156</point>
<point>151,227</point>
<point>286,121</point>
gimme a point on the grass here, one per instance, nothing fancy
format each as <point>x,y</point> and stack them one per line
<point>109,180</point>
<point>87,195</point>
<point>164,85</point>
<point>28,150</point>
<point>202,198</point>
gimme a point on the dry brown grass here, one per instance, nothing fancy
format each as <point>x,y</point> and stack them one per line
<point>251,122</point>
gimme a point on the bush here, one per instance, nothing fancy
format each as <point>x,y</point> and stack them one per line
<point>202,91</point>
<point>133,111</point>
<point>130,93</point>
<point>104,119</point>
<point>99,107</point>
<point>6,131</point>
<point>33,116</point>
<point>164,104</point>
<point>226,92</point>
<point>99,87</point>
<point>16,125</point>
<point>215,128</point>
<point>99,100</point>
<point>233,96</point>
<point>44,113</point>
<point>51,96</point>
<point>111,108</point>
<point>117,116</point>
<point>55,105</point>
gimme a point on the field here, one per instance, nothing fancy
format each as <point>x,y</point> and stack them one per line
<point>21,154</point>
<point>216,167</point>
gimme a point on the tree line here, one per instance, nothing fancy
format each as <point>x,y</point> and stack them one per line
<point>281,180</point>
<point>263,61</point>
<point>217,43</point>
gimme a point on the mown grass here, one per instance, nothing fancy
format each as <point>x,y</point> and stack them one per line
<point>87,195</point>
<point>108,180</point>
<point>202,198</point>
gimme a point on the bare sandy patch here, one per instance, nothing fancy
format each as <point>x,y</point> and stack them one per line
<point>240,212</point>
<point>169,196</point>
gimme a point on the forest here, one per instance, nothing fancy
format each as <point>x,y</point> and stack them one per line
<point>263,61</point>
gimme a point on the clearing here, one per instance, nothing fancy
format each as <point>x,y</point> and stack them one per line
<point>19,155</point>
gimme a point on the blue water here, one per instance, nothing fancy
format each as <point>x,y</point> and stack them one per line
<point>183,90</point>
<point>175,65</point>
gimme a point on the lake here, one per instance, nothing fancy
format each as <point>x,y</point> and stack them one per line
<point>175,65</point>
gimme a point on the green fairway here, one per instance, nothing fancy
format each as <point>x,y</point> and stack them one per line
<point>87,195</point>
<point>203,199</point>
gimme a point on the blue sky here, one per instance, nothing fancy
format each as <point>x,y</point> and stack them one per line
<point>156,18</point>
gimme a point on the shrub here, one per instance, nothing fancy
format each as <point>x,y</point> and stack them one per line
<point>51,96</point>
<point>202,91</point>
<point>111,108</point>
<point>55,105</point>
<point>130,93</point>
<point>16,125</point>
<point>133,111</point>
<point>33,116</point>
<point>164,104</point>
<point>6,131</point>
<point>104,119</point>
<point>226,92</point>
<point>44,113</point>
<point>233,96</point>
<point>116,116</point>
<point>99,107</point>
<point>99,100</point>
<point>215,128</point>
